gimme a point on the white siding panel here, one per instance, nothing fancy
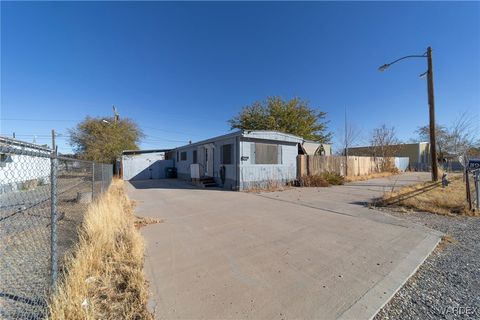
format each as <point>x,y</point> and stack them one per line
<point>145,166</point>
<point>258,175</point>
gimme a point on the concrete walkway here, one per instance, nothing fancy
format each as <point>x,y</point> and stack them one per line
<point>234,255</point>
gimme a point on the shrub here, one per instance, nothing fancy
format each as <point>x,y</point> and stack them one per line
<point>313,181</point>
<point>324,179</point>
<point>333,179</point>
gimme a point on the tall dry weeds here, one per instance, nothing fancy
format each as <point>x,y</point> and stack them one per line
<point>431,197</point>
<point>104,276</point>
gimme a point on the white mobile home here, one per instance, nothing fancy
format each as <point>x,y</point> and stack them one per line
<point>22,164</point>
<point>240,160</point>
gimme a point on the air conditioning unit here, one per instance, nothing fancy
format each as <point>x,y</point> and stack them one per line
<point>195,171</point>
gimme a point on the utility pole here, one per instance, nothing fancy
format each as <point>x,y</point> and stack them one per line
<point>346,144</point>
<point>116,115</point>
<point>53,139</point>
<point>431,105</point>
<point>53,214</point>
<point>431,110</point>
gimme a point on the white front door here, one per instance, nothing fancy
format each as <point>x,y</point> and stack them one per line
<point>208,160</point>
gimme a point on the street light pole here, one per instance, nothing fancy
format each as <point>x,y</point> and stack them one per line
<point>431,106</point>
<point>431,110</point>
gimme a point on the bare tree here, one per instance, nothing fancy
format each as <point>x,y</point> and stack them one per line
<point>350,136</point>
<point>385,144</point>
<point>461,136</point>
<point>384,141</point>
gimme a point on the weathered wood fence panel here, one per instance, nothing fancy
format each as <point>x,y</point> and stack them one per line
<point>353,166</point>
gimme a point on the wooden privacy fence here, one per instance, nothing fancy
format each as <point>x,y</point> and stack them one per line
<point>354,166</point>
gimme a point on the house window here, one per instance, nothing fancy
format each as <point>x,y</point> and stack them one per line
<point>183,156</point>
<point>226,154</point>
<point>178,157</point>
<point>194,156</point>
<point>266,153</point>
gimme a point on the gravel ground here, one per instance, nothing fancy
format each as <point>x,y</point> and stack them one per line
<point>25,243</point>
<point>447,285</point>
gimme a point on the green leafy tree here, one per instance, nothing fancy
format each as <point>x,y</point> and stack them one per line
<point>292,116</point>
<point>104,139</point>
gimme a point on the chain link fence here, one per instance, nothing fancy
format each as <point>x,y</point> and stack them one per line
<point>43,198</point>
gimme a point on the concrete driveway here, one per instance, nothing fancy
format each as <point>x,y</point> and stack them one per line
<point>310,254</point>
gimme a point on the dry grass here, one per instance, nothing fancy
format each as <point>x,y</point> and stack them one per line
<point>447,240</point>
<point>145,221</point>
<point>104,278</point>
<point>324,179</point>
<point>313,181</point>
<point>268,186</point>
<point>370,176</point>
<point>431,197</point>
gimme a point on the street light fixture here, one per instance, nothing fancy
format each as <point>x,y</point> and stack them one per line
<point>386,65</point>
<point>431,104</point>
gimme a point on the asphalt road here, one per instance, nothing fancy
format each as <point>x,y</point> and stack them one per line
<point>312,253</point>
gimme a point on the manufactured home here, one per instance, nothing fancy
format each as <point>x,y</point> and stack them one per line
<point>22,164</point>
<point>242,159</point>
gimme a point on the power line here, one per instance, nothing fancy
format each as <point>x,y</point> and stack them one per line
<point>67,136</point>
<point>171,131</point>
<point>39,120</point>
<point>73,120</point>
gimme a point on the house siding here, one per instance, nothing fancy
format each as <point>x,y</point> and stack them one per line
<point>183,167</point>
<point>259,175</point>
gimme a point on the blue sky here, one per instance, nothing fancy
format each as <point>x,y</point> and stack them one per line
<point>181,70</point>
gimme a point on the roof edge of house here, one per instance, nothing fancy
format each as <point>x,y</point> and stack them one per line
<point>243,133</point>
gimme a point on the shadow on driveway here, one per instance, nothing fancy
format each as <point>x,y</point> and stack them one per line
<point>170,184</point>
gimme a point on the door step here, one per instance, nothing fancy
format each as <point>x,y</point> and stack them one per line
<point>208,182</point>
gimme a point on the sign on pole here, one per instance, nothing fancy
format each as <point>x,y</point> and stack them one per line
<point>474,164</point>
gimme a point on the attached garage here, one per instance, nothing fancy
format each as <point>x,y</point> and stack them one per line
<point>145,164</point>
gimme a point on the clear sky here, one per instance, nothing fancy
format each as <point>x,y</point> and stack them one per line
<point>181,70</point>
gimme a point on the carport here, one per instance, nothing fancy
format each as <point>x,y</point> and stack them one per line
<point>145,164</point>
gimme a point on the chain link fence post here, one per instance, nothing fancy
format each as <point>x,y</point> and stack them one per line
<point>43,199</point>
<point>93,180</point>
<point>477,188</point>
<point>53,219</point>
<point>103,178</point>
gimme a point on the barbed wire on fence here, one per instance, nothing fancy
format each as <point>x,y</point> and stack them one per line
<point>43,198</point>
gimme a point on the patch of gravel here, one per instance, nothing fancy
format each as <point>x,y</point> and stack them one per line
<point>447,285</point>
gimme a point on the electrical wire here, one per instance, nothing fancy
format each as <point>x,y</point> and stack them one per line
<point>72,120</point>
<point>68,136</point>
